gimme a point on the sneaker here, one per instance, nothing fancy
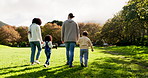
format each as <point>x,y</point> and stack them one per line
<point>86,65</point>
<point>32,63</point>
<point>82,65</point>
<point>45,65</point>
<point>71,66</point>
<point>66,64</point>
<point>37,62</point>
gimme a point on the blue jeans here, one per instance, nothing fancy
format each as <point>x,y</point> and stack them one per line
<point>84,54</point>
<point>48,53</point>
<point>70,52</point>
<point>33,45</point>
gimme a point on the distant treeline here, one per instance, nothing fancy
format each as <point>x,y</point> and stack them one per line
<point>127,27</point>
<point>17,36</point>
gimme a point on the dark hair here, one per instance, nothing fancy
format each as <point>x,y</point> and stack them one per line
<point>37,21</point>
<point>48,38</point>
<point>71,15</point>
<point>85,33</point>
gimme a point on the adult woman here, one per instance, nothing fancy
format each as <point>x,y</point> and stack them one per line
<point>35,39</point>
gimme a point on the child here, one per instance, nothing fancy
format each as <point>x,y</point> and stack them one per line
<point>84,43</point>
<point>48,46</point>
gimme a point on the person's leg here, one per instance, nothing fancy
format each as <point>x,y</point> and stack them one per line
<point>48,53</point>
<point>38,44</point>
<point>48,59</point>
<point>67,53</point>
<point>86,57</point>
<point>72,46</point>
<point>81,57</point>
<point>46,62</point>
<point>33,49</point>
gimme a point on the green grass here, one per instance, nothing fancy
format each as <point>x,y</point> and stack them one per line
<point>110,62</point>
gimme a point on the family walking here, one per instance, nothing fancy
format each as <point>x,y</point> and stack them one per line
<point>70,36</point>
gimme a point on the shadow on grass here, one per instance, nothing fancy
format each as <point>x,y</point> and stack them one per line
<point>52,72</point>
<point>137,54</point>
<point>127,50</point>
<point>108,67</point>
<point>14,67</point>
<point>114,68</point>
<point>12,70</point>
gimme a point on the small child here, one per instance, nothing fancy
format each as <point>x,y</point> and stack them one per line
<point>84,43</point>
<point>48,46</point>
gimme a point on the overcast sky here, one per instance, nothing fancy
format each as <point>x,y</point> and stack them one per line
<point>21,12</point>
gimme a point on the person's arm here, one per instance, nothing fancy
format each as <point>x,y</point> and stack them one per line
<point>39,33</point>
<point>43,44</point>
<point>29,33</point>
<point>62,32</point>
<point>50,44</point>
<point>91,45</point>
<point>78,42</point>
<point>92,48</point>
<point>77,31</point>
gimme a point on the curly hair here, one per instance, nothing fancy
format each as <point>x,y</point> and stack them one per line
<point>37,21</point>
<point>85,33</point>
<point>48,38</point>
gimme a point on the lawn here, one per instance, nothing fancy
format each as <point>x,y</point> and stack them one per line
<point>109,62</point>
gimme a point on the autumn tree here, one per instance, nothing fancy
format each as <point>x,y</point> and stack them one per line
<point>22,30</point>
<point>52,29</point>
<point>93,29</point>
<point>57,22</point>
<point>8,35</point>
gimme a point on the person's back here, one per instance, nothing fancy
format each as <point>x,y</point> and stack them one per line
<point>47,48</point>
<point>35,39</point>
<point>70,35</point>
<point>84,42</point>
<point>70,31</point>
<point>35,34</point>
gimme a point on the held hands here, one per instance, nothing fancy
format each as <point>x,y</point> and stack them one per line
<point>92,50</point>
<point>29,32</point>
<point>62,42</point>
<point>42,42</point>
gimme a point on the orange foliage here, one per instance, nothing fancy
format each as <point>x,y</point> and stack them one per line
<point>8,35</point>
<point>52,29</point>
<point>92,28</point>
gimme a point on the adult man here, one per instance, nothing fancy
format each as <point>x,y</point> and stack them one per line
<point>70,35</point>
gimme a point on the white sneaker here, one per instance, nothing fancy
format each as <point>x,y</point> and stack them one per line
<point>37,62</point>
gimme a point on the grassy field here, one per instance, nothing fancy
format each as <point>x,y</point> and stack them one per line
<point>109,62</point>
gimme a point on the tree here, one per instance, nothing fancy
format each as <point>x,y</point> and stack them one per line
<point>8,35</point>
<point>112,30</point>
<point>129,26</point>
<point>23,31</point>
<point>54,30</point>
<point>93,29</point>
<point>135,12</point>
<point>57,22</point>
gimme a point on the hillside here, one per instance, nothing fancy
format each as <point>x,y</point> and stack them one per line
<point>3,46</point>
<point>2,23</point>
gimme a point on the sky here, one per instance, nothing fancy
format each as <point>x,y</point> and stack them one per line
<point>21,12</point>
